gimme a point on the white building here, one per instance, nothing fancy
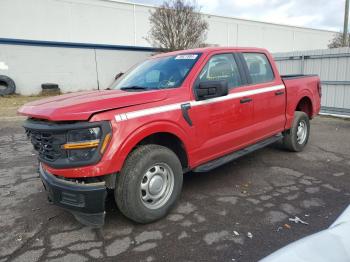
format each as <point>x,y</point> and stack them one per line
<point>81,44</point>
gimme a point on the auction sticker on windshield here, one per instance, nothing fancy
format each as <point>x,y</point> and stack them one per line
<point>191,56</point>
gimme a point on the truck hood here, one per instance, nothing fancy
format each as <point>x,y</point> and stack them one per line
<point>81,105</point>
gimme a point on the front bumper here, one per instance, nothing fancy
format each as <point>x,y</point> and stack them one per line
<point>85,201</point>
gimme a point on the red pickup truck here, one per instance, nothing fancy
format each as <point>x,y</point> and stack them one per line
<point>191,110</point>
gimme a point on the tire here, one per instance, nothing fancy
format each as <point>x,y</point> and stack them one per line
<point>8,84</point>
<point>292,140</point>
<point>140,179</point>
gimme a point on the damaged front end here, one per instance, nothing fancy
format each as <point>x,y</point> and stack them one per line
<point>86,201</point>
<point>68,146</point>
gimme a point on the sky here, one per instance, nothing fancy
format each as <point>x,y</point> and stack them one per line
<point>321,14</point>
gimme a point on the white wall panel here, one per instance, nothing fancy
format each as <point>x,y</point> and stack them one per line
<point>111,62</point>
<point>111,22</point>
<point>142,14</point>
<point>218,33</point>
<point>73,69</point>
<point>102,24</point>
<point>249,35</point>
<point>277,38</point>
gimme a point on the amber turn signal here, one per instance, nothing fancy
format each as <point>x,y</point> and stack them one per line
<point>105,142</point>
<point>82,145</point>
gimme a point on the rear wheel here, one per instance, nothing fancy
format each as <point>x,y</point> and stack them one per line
<point>149,183</point>
<point>296,138</point>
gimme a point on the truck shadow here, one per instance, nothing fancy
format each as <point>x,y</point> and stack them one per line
<point>232,173</point>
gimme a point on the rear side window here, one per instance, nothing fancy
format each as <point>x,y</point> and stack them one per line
<point>221,67</point>
<point>259,67</point>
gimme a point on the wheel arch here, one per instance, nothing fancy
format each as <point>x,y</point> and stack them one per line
<point>305,105</point>
<point>299,101</point>
<point>171,136</point>
<point>170,141</point>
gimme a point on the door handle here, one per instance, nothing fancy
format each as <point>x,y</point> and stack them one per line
<point>246,100</point>
<point>278,93</point>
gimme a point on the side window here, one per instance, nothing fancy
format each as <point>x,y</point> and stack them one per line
<point>259,67</point>
<point>221,67</point>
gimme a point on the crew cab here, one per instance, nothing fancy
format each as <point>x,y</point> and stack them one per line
<point>176,112</point>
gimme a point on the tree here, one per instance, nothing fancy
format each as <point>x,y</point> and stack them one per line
<point>337,41</point>
<point>177,25</point>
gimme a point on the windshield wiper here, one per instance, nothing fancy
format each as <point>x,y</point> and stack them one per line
<point>134,88</point>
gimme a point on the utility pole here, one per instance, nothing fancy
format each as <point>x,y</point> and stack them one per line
<point>346,23</point>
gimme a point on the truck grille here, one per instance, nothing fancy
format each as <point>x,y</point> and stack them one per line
<point>47,144</point>
<point>48,137</point>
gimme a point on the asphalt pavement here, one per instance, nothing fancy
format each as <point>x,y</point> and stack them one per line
<point>238,212</point>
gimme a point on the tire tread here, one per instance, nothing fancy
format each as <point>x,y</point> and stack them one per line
<point>127,176</point>
<point>289,139</point>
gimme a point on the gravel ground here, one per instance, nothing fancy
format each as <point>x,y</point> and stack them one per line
<point>255,196</point>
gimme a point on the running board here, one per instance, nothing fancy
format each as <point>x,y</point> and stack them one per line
<point>237,154</point>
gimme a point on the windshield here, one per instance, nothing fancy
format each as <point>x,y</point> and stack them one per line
<point>158,73</point>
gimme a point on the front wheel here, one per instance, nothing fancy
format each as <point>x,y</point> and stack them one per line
<point>149,184</point>
<point>296,138</point>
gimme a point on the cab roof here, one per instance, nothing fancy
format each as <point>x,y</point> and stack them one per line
<point>207,50</point>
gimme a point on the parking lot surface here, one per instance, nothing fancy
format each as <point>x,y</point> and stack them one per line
<point>238,212</point>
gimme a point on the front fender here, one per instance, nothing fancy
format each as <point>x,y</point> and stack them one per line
<point>140,133</point>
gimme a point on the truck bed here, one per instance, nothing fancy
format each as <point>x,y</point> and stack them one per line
<point>293,76</point>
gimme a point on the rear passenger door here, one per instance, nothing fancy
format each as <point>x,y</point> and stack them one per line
<point>269,98</point>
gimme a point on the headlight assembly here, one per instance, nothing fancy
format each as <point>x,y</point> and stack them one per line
<point>69,145</point>
<point>82,135</point>
<point>82,144</point>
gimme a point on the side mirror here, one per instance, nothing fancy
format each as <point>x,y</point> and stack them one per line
<point>211,89</point>
<point>118,75</point>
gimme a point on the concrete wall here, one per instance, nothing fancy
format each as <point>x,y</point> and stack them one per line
<point>74,69</point>
<point>90,26</point>
<point>111,22</point>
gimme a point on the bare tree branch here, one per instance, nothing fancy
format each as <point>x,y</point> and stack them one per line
<point>337,41</point>
<point>177,25</point>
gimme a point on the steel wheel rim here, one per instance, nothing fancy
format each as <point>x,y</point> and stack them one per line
<point>301,132</point>
<point>157,186</point>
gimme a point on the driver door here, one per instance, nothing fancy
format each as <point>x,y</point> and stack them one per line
<point>221,123</point>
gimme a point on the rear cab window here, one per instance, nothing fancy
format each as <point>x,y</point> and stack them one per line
<point>259,68</point>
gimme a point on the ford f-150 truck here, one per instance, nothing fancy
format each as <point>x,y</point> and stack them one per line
<point>176,112</point>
